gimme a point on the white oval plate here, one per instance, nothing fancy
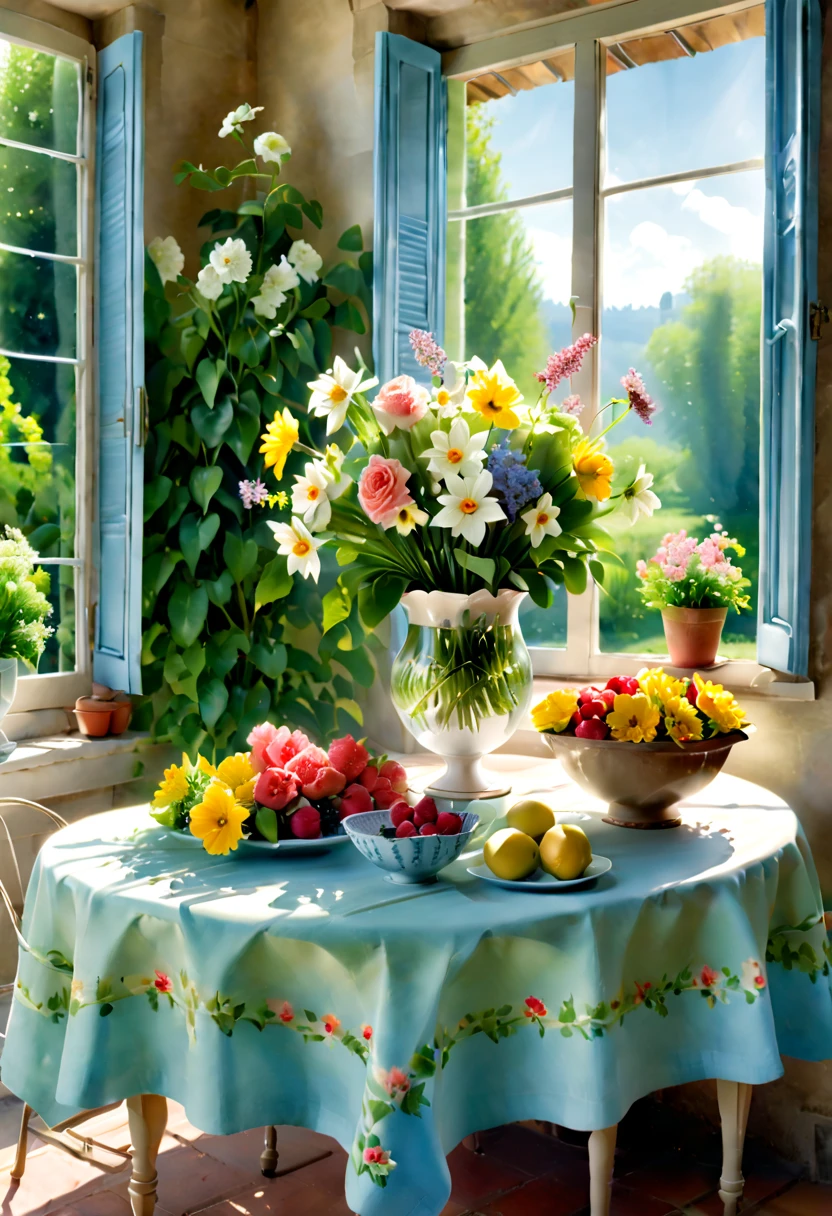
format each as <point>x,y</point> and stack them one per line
<point>543,882</point>
<point>290,847</point>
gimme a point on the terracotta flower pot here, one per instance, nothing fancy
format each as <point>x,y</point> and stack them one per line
<point>642,782</point>
<point>693,634</point>
<point>93,716</point>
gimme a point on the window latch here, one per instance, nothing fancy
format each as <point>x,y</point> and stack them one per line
<point>818,317</point>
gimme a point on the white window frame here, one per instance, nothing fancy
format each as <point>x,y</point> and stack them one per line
<point>591,33</point>
<point>51,690</point>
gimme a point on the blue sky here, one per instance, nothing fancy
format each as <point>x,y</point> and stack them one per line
<point>666,117</point>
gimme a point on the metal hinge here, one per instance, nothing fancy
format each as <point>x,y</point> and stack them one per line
<point>818,317</point>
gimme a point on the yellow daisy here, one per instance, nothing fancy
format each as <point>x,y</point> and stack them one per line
<point>594,469</point>
<point>493,394</point>
<point>173,787</point>
<point>236,770</point>
<point>657,685</point>
<point>681,720</point>
<point>555,710</point>
<point>633,719</point>
<point>719,706</point>
<point>245,793</point>
<point>280,437</point>
<point>218,820</point>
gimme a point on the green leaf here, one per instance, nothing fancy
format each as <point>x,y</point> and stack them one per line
<point>195,535</point>
<point>317,309</point>
<point>270,657</point>
<point>378,599</point>
<point>303,341</point>
<point>219,591</point>
<point>149,637</point>
<point>344,278</point>
<point>213,699</point>
<point>314,212</point>
<point>248,345</point>
<point>358,664</point>
<point>187,610</point>
<point>266,822</point>
<point>574,572</point>
<point>351,707</point>
<point>250,208</point>
<point>242,435</point>
<point>347,316</point>
<point>485,567</point>
<point>352,239</point>
<point>211,424</point>
<point>222,650</point>
<point>336,604</point>
<point>239,555</point>
<point>275,583</point>
<point>44,536</point>
<point>209,372</point>
<point>204,484</point>
<point>290,215</point>
<point>596,569</point>
<point>245,169</point>
<point>156,493</point>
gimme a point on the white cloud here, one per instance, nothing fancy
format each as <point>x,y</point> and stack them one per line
<point>743,227</point>
<point>653,261</point>
<point>553,254</point>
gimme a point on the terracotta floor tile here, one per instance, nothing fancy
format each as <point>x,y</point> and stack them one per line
<point>190,1180</point>
<point>102,1203</point>
<point>626,1202</point>
<point>50,1179</point>
<point>475,1177</point>
<point>296,1146</point>
<point>768,1180</point>
<point>548,1195</point>
<point>803,1199</point>
<point>532,1152</point>
<point>675,1180</point>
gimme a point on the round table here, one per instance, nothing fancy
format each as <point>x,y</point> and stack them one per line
<point>312,991</point>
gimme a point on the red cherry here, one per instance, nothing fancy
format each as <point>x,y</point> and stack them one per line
<point>608,697</point>
<point>424,811</point>
<point>594,709</point>
<point>592,728</point>
<point>448,824</point>
<point>692,692</point>
<point>400,813</point>
<point>614,683</point>
<point>405,828</point>
<point>576,718</point>
<point>588,694</point>
<point>629,685</point>
<point>428,829</point>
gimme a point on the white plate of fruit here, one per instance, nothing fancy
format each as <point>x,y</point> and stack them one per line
<point>533,852</point>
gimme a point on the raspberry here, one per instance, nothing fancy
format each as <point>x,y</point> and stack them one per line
<point>400,813</point>
<point>405,828</point>
<point>448,824</point>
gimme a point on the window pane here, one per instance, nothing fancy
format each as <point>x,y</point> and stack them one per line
<point>682,295</point>
<point>684,113</point>
<point>37,305</point>
<point>59,652</point>
<point>37,453</point>
<point>545,626</point>
<point>530,133</point>
<point>39,98</point>
<point>38,206</point>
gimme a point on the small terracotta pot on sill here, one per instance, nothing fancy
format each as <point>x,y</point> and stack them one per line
<point>693,634</point>
<point>97,718</point>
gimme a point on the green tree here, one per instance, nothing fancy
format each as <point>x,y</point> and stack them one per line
<point>503,292</point>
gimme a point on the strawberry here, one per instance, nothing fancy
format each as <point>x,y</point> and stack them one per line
<point>448,824</point>
<point>400,813</point>
<point>428,829</point>
<point>405,828</point>
<point>424,812</point>
<point>592,728</point>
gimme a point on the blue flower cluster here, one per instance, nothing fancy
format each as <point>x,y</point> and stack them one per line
<point>513,482</point>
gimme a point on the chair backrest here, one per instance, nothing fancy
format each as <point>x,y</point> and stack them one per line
<point>5,896</point>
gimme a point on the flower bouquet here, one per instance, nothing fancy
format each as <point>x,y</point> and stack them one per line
<point>285,788</point>
<point>23,610</point>
<point>694,584</point>
<point>684,728</point>
<point>462,499</point>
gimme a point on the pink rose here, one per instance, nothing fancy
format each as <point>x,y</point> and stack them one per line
<point>400,403</point>
<point>305,823</point>
<point>317,777</point>
<point>275,787</point>
<point>356,801</point>
<point>284,746</point>
<point>258,741</point>
<point>349,757</point>
<point>382,490</point>
<point>328,782</point>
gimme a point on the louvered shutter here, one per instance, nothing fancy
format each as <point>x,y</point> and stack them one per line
<point>793,50</point>
<point>119,343</point>
<point>409,242</point>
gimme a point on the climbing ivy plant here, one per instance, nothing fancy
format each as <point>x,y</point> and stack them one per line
<point>230,638</point>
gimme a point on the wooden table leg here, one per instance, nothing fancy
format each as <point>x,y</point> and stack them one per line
<point>148,1115</point>
<point>601,1159</point>
<point>734,1100</point>
<point>269,1156</point>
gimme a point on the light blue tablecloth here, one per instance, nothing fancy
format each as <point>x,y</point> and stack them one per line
<point>312,991</point>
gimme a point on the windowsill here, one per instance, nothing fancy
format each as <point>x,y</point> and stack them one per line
<point>63,764</point>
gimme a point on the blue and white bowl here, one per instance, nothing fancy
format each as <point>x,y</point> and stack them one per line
<point>413,858</point>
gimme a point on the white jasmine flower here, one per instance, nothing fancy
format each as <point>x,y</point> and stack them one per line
<point>208,283</point>
<point>456,453</point>
<point>167,257</point>
<point>542,520</point>
<point>333,391</point>
<point>233,121</point>
<point>408,518</point>
<point>276,282</point>
<point>306,261</point>
<point>296,543</point>
<point>271,147</point>
<point>309,495</point>
<point>466,508</point>
<point>751,976</point>
<point>231,260</point>
<point>638,499</point>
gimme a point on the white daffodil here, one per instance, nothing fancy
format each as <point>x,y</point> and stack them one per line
<point>296,543</point>
<point>408,518</point>
<point>456,453</point>
<point>306,261</point>
<point>208,283</point>
<point>271,147</point>
<point>638,499</point>
<point>310,498</point>
<point>450,396</point>
<point>277,280</point>
<point>167,257</point>
<point>466,508</point>
<point>333,391</point>
<point>333,464</point>
<point>542,520</point>
<point>233,121</point>
<point>231,260</point>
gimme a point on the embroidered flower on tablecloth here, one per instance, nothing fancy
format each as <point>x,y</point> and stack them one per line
<point>366,1032</point>
<point>535,1008</point>
<point>751,976</point>
<point>163,983</point>
<point>708,977</point>
<point>396,1082</point>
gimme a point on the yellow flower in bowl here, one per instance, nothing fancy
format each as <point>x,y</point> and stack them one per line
<point>633,719</point>
<point>173,787</point>
<point>656,684</point>
<point>719,706</point>
<point>555,711</point>
<point>218,820</point>
<point>236,770</point>
<point>681,721</point>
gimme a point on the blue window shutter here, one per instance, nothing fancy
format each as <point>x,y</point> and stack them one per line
<point>119,342</point>
<point>410,212</point>
<point>793,54</point>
